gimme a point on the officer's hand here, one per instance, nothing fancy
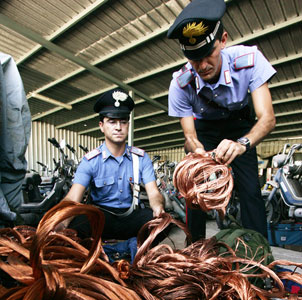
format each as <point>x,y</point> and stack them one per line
<point>157,211</point>
<point>200,151</point>
<point>227,151</point>
<point>60,227</point>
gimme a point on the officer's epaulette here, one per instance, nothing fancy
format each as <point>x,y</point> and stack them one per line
<point>137,151</point>
<point>92,154</point>
<point>185,77</point>
<point>244,61</point>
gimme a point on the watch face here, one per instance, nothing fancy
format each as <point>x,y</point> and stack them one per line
<point>244,141</point>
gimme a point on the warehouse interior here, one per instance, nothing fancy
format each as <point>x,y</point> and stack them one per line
<point>69,52</point>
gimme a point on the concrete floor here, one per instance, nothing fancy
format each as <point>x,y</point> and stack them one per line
<point>177,237</point>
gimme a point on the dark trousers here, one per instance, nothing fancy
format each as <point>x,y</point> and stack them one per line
<point>245,168</point>
<point>121,228</point>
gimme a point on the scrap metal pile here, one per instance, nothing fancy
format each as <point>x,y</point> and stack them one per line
<point>44,264</point>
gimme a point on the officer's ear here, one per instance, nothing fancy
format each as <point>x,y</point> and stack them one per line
<point>224,39</point>
<point>101,124</point>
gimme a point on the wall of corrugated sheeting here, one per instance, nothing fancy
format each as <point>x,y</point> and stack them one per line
<point>270,148</point>
<point>172,155</point>
<point>265,150</point>
<point>39,149</point>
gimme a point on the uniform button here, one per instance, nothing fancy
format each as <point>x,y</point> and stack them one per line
<point>241,104</point>
<point>215,95</point>
<point>105,182</point>
<point>201,109</point>
<point>120,202</point>
<point>121,191</point>
<point>223,113</point>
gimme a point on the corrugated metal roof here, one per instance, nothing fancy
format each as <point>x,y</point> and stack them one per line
<point>71,51</point>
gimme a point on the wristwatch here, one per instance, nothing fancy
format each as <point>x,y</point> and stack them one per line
<point>245,142</point>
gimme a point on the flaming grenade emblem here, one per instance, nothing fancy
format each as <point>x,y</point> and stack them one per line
<point>191,30</point>
<point>119,96</point>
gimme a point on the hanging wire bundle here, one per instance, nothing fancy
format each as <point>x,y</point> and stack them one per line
<point>203,182</point>
<point>49,265</point>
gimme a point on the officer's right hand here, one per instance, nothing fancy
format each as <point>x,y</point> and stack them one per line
<point>228,150</point>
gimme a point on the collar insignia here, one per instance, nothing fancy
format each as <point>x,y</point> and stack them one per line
<point>191,30</point>
<point>119,96</point>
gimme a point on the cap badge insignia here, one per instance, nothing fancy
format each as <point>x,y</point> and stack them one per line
<point>119,96</point>
<point>191,30</point>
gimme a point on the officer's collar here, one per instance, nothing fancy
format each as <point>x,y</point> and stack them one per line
<point>106,153</point>
<point>224,78</point>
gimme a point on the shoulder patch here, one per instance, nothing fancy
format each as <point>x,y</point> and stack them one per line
<point>244,61</point>
<point>184,78</point>
<point>137,151</point>
<point>92,154</point>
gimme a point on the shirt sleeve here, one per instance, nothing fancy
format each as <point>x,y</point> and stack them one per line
<point>147,169</point>
<point>179,101</point>
<point>83,173</point>
<point>262,71</point>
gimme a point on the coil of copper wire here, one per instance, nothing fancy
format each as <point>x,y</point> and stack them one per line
<point>203,182</point>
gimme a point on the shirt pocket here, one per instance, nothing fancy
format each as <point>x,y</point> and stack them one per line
<point>104,186</point>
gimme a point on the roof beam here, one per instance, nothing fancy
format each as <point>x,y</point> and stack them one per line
<point>288,113</point>
<point>83,14</point>
<point>51,101</point>
<point>275,102</point>
<point>157,135</point>
<point>135,118</point>
<point>156,125</point>
<point>144,76</point>
<point>286,100</point>
<point>286,131</point>
<point>4,20</point>
<point>289,123</point>
<point>180,62</point>
<point>285,82</point>
<point>163,142</point>
<point>175,64</point>
<point>166,147</point>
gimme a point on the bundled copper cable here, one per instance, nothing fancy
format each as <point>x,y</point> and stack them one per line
<point>203,182</point>
<point>55,266</point>
<point>198,271</point>
<point>49,265</point>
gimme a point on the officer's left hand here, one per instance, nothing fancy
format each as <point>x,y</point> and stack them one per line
<point>227,151</point>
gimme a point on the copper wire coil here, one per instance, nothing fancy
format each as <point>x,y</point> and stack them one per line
<point>203,182</point>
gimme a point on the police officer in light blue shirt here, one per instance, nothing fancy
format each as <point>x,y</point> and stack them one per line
<point>113,171</point>
<point>214,95</point>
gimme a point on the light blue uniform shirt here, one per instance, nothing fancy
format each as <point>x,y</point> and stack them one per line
<point>111,176</point>
<point>243,68</point>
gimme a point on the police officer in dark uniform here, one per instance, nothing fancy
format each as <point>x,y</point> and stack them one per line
<point>111,171</point>
<point>210,96</point>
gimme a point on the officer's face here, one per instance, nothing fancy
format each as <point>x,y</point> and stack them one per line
<point>115,130</point>
<point>209,67</point>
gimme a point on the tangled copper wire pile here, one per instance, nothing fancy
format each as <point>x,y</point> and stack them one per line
<point>49,265</point>
<point>203,182</point>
